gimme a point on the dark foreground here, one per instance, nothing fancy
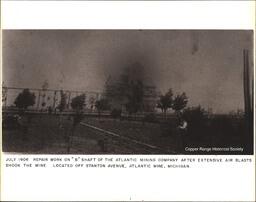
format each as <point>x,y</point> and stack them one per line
<point>53,134</point>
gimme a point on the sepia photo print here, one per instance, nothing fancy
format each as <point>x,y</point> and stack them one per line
<point>127,91</point>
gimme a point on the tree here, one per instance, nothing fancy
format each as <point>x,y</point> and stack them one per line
<point>101,105</point>
<point>25,99</point>
<point>196,118</point>
<point>92,102</point>
<point>78,103</point>
<point>179,102</point>
<point>63,101</point>
<point>44,88</point>
<point>166,101</point>
<point>45,85</point>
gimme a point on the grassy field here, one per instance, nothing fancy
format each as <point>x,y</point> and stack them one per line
<point>49,134</point>
<point>150,133</point>
<point>44,134</point>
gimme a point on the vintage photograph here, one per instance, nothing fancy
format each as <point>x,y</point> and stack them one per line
<point>127,92</point>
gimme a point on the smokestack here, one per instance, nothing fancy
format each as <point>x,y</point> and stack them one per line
<point>248,104</point>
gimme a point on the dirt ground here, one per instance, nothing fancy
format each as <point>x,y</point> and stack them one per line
<point>47,134</point>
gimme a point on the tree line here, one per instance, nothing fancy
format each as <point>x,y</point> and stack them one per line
<point>127,93</point>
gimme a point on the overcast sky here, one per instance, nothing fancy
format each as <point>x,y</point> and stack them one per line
<point>206,65</point>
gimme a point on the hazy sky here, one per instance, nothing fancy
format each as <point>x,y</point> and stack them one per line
<point>206,65</point>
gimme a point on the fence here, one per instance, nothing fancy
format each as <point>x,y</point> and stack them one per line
<point>45,98</point>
